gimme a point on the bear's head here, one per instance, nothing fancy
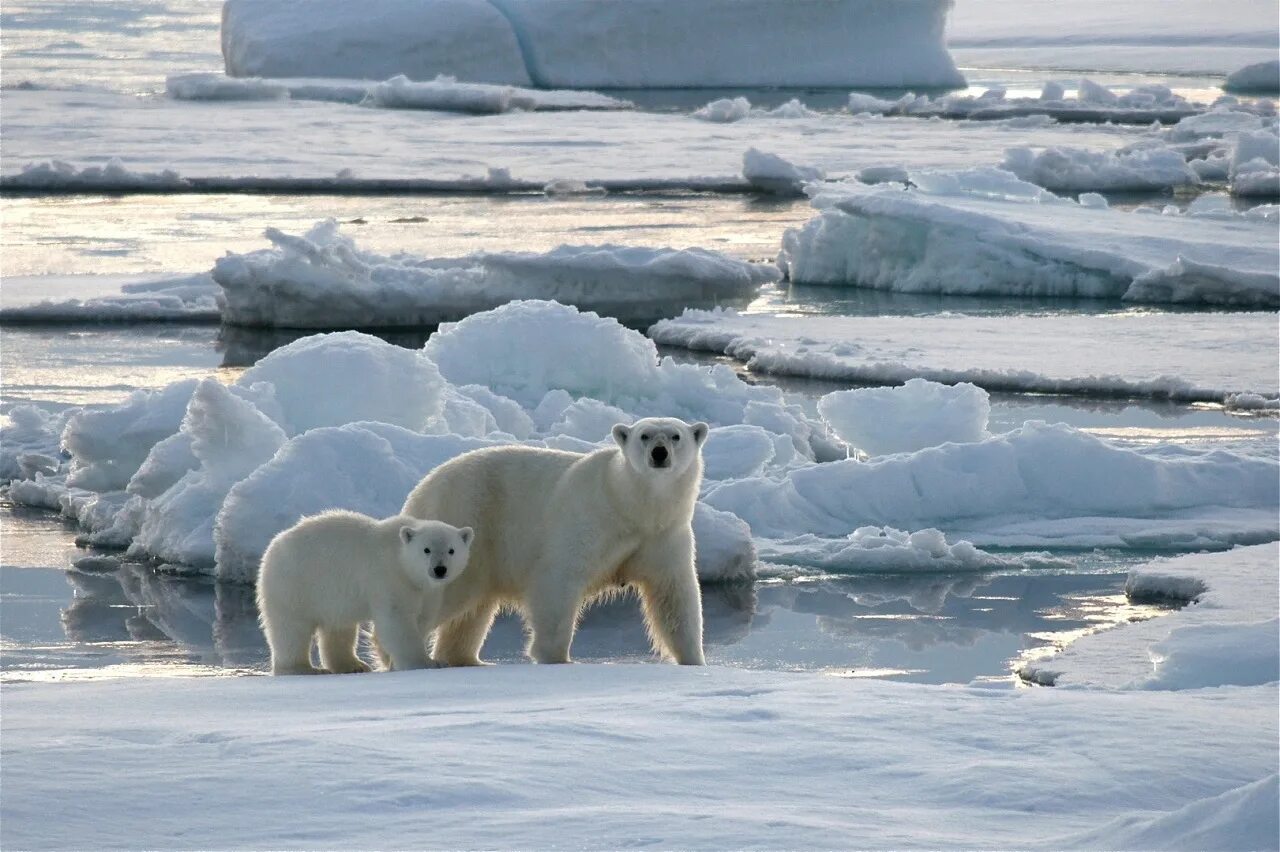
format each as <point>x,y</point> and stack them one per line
<point>661,446</point>
<point>433,552</point>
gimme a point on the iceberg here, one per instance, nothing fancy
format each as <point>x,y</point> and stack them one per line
<point>575,44</point>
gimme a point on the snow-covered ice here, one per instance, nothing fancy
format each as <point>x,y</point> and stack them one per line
<point>323,280</point>
<point>1193,357</point>
<point>985,232</point>
<point>1078,170</point>
<point>564,43</point>
<point>475,757</point>
<point>188,298</point>
<point>771,174</point>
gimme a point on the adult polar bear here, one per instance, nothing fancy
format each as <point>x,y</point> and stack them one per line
<point>558,529</point>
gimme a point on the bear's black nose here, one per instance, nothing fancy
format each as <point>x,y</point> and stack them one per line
<point>440,571</point>
<point>659,455</point>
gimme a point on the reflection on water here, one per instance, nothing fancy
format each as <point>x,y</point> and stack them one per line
<point>59,624</point>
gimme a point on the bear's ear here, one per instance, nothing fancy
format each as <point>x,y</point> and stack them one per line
<point>466,534</point>
<point>406,534</point>
<point>699,432</point>
<point>620,434</point>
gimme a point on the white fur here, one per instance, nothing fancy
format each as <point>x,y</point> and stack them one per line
<point>330,572</point>
<point>562,528</point>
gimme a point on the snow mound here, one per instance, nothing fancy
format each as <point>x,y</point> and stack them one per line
<point>728,110</point>
<point>984,232</point>
<point>57,174</point>
<point>442,94</point>
<point>1242,818</point>
<point>31,443</point>
<point>774,175</point>
<point>323,280</point>
<point>1079,170</point>
<point>565,43</point>
<point>1255,164</point>
<point>1260,78</point>
<point>1039,472</point>
<point>875,549</point>
<point>1140,355</point>
<point>910,417</point>
<point>191,298</point>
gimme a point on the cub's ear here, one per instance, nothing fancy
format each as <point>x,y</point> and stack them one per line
<point>466,534</point>
<point>699,432</point>
<point>406,534</point>
<point>621,433</point>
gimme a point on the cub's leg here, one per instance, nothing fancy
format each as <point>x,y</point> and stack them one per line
<point>290,641</point>
<point>669,595</point>
<point>398,637</point>
<point>338,650</point>
<point>458,642</point>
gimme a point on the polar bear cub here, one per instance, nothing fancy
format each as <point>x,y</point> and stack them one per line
<point>330,572</point>
<point>569,527</point>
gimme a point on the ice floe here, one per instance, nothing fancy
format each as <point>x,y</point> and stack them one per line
<point>188,298</point>
<point>323,280</point>
<point>1260,78</point>
<point>1226,632</point>
<point>442,94</point>
<point>114,175</point>
<point>553,43</point>
<point>908,417</point>
<point>1078,170</point>
<point>984,232</point>
<point>1138,354</point>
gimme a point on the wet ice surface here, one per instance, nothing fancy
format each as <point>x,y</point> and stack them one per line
<point>61,624</point>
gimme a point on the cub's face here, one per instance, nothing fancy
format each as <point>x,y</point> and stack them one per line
<point>434,553</point>
<point>660,446</point>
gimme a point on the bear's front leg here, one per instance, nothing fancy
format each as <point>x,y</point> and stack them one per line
<point>396,626</point>
<point>671,598</point>
<point>552,608</point>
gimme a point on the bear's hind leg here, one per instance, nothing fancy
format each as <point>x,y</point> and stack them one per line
<point>459,641</point>
<point>338,650</point>
<point>290,643</point>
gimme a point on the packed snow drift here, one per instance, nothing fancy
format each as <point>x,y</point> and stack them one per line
<point>322,280</point>
<point>985,232</point>
<point>568,43</point>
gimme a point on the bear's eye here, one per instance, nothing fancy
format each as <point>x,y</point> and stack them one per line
<point>645,437</point>
<point>675,439</point>
<point>426,550</point>
<point>451,551</point>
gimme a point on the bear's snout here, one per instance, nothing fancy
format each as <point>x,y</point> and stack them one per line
<point>440,571</point>
<point>659,455</point>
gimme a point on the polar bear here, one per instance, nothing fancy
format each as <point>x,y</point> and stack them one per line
<point>331,571</point>
<point>563,528</point>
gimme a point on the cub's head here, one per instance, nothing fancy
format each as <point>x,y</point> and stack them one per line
<point>660,446</point>
<point>433,552</point>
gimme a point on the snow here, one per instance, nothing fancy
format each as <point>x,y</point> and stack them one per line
<point>984,232</point>
<point>1262,78</point>
<point>909,417</point>
<point>1255,164</point>
<point>1226,634</point>
<point>323,280</point>
<point>1079,170</point>
<point>554,43</point>
<point>475,757</point>
<point>1145,36</point>
<point>728,110</point>
<point>1192,357</point>
<point>56,174</point>
<point>331,38</point>
<point>188,298</point>
<point>771,174</point>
